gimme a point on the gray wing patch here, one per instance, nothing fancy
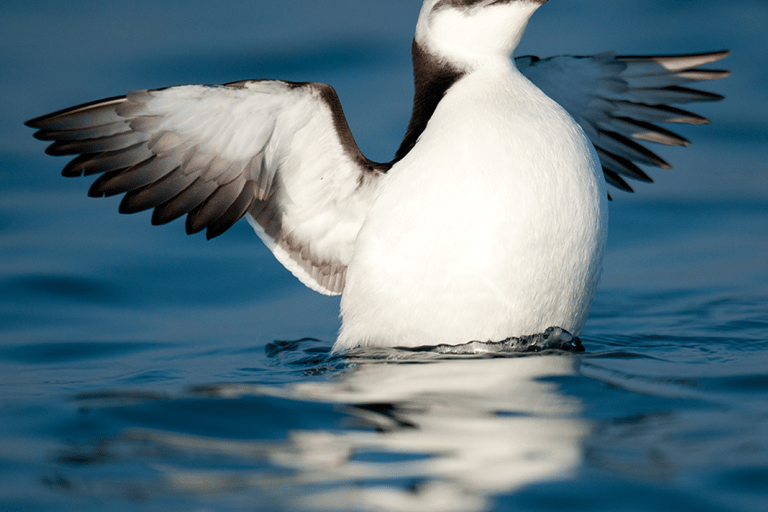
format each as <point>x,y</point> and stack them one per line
<point>218,153</point>
<point>618,101</point>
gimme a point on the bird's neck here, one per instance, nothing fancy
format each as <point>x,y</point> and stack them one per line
<point>432,77</point>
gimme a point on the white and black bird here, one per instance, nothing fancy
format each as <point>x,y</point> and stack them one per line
<point>489,223</point>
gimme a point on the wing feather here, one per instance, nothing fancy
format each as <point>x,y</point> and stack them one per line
<point>280,153</point>
<point>622,166</point>
<point>95,163</point>
<point>114,142</point>
<point>184,202</point>
<point>619,100</point>
<point>235,212</point>
<point>85,116</point>
<point>156,193</point>
<point>656,113</point>
<point>122,179</point>
<point>216,205</point>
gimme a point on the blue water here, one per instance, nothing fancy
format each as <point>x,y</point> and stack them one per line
<point>142,369</point>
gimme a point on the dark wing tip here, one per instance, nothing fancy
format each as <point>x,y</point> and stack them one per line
<point>696,59</point>
<point>49,121</point>
<point>701,95</point>
<point>716,55</point>
<point>617,181</point>
<point>224,215</point>
<point>102,140</point>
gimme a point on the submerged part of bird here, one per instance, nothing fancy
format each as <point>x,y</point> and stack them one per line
<point>554,338</point>
<point>455,239</point>
<point>317,353</point>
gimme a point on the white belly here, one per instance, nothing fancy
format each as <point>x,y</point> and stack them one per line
<point>485,230</point>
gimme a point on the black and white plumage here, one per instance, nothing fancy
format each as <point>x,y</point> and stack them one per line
<point>489,222</point>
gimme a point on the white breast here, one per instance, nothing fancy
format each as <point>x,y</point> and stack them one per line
<point>493,226</point>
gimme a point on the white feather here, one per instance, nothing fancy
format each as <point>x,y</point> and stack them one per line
<point>493,226</point>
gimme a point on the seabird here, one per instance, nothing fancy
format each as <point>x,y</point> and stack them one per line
<point>490,222</point>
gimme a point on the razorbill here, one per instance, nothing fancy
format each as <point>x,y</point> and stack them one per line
<point>490,222</point>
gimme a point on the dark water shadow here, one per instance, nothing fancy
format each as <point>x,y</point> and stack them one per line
<point>65,352</point>
<point>56,288</point>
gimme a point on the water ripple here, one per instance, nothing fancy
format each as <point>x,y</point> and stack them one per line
<point>58,352</point>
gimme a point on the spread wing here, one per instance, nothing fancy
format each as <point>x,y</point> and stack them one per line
<point>619,100</point>
<point>280,153</point>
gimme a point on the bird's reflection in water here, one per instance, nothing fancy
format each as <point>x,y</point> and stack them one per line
<point>392,435</point>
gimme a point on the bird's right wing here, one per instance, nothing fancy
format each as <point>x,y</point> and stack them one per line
<point>618,101</point>
<point>279,152</point>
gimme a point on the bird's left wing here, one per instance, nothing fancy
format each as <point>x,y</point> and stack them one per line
<point>620,100</point>
<point>280,152</point>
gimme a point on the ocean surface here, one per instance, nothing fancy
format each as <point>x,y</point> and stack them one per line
<point>143,369</point>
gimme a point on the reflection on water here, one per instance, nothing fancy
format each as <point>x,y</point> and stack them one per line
<point>640,422</point>
<point>387,435</point>
<point>489,426</point>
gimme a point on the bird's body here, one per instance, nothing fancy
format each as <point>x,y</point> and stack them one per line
<point>486,229</point>
<point>489,223</point>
